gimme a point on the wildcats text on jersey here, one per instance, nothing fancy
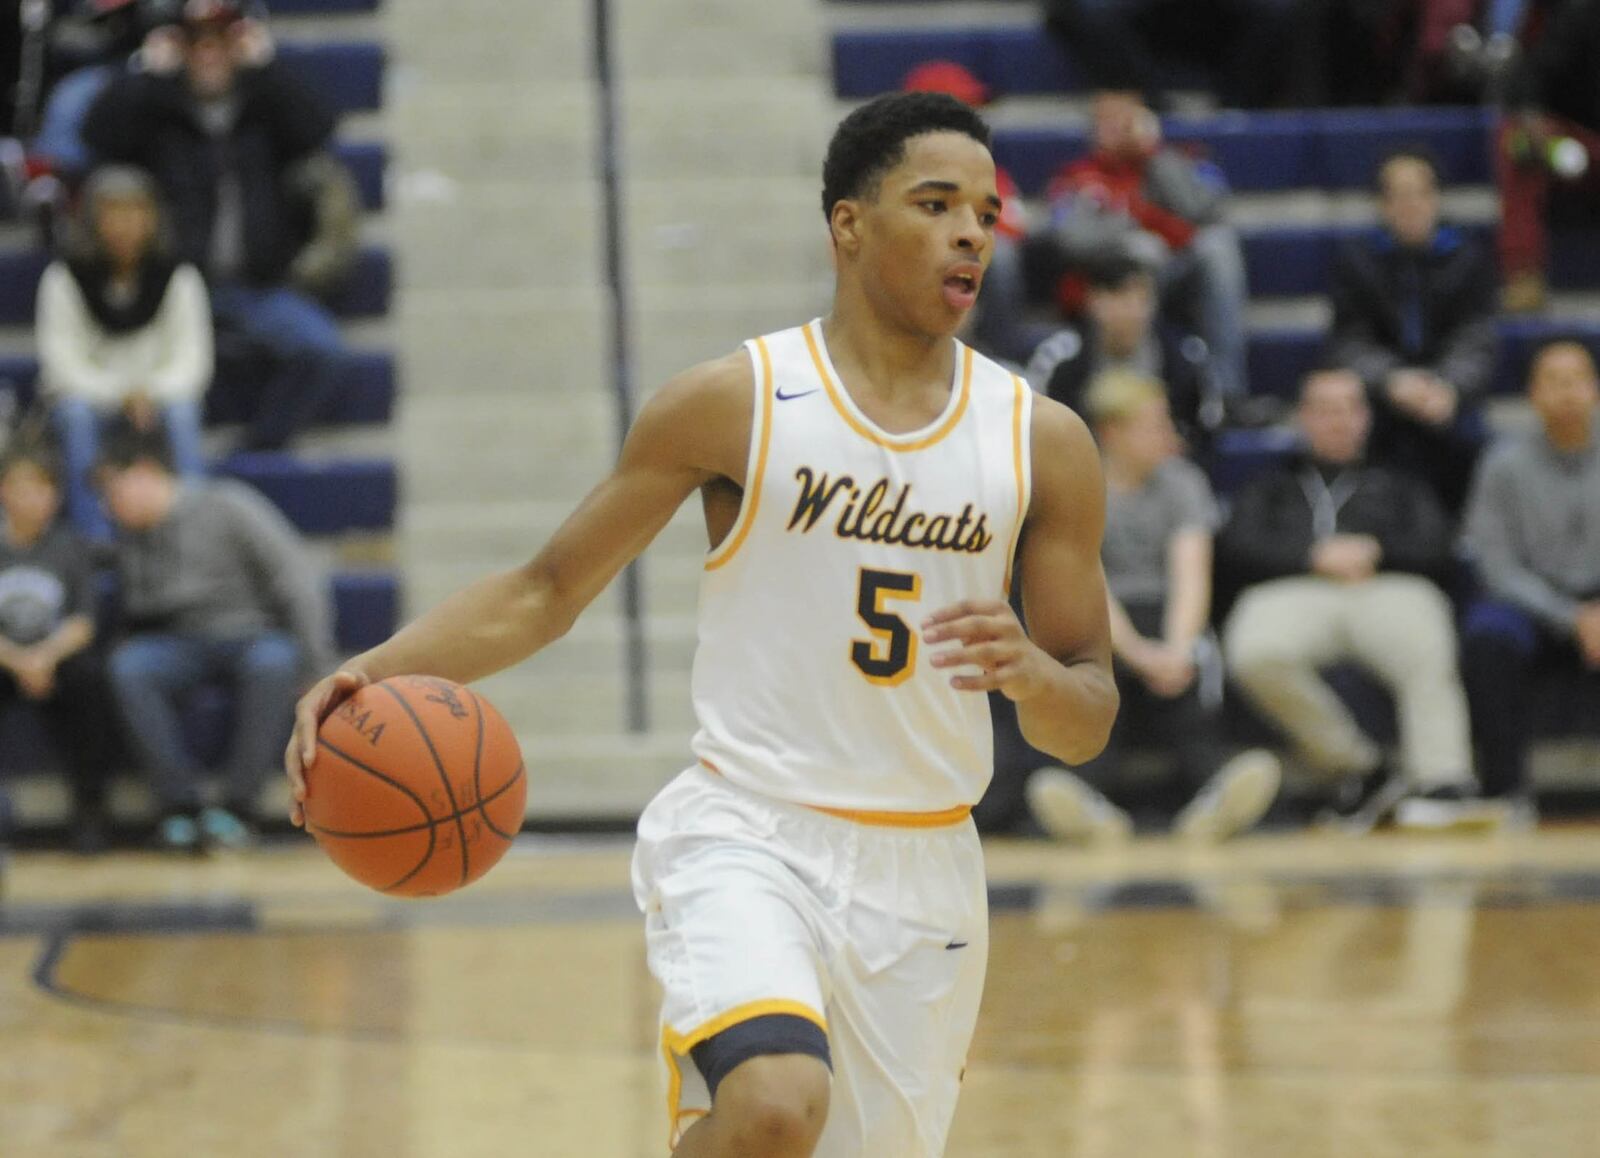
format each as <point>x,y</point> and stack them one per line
<point>863,516</point>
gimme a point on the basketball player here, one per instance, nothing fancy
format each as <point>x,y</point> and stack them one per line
<point>813,888</point>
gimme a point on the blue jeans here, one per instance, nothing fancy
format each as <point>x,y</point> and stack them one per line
<point>79,426</point>
<point>300,339</point>
<point>1210,276</point>
<point>152,674</point>
<point>60,135</point>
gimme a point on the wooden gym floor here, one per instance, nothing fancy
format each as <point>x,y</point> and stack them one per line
<point>1288,995</point>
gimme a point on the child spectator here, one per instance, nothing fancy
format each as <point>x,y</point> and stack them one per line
<point>47,630</point>
<point>1160,518</point>
<point>124,331</point>
<point>216,586</point>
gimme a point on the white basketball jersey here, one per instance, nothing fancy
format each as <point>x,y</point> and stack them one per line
<point>811,683</point>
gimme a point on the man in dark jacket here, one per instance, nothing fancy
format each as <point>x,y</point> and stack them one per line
<point>228,132</point>
<point>1340,561</point>
<point>1120,331</point>
<point>1413,315</point>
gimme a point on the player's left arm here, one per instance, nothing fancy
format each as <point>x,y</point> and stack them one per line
<point>1058,672</point>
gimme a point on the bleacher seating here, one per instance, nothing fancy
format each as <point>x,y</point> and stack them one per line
<point>350,75</point>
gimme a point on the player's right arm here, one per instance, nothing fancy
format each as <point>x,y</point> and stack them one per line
<point>696,429</point>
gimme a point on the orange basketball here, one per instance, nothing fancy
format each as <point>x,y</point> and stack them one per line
<point>418,786</point>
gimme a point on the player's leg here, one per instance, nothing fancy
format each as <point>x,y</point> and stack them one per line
<point>773,1105</point>
<point>732,887</point>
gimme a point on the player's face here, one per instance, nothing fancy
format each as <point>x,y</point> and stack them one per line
<point>922,246</point>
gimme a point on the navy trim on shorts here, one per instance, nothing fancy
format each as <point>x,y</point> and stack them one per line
<point>772,1033</point>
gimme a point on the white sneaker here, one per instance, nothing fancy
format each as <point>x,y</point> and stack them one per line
<point>1237,796</point>
<point>1452,806</point>
<point>1068,809</point>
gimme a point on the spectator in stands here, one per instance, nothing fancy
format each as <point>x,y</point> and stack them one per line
<point>1119,331</point>
<point>124,331</point>
<point>1160,518</point>
<point>47,630</point>
<point>1550,134</point>
<point>237,144</point>
<point>1414,316</point>
<point>1119,43</point>
<point>216,586</point>
<point>1340,561</point>
<point>1533,529</point>
<point>1133,198</point>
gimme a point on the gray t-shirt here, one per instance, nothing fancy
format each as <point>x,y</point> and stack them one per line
<point>43,584</point>
<point>1141,523</point>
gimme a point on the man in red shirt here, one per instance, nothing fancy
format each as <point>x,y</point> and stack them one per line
<point>1130,197</point>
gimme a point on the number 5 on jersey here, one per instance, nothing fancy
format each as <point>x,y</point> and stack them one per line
<point>890,656</point>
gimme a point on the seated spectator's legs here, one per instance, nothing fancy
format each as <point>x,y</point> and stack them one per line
<point>79,722</point>
<point>1278,636</point>
<point>265,672</point>
<point>60,136</point>
<point>78,428</point>
<point>1499,648</point>
<point>182,422</point>
<point>1401,628</point>
<point>303,338</point>
<point>150,675</point>
<point>1181,726</point>
<point>1212,271</point>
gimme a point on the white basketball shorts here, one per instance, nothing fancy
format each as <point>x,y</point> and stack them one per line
<point>879,934</point>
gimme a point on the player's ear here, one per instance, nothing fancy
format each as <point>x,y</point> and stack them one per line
<point>846,225</point>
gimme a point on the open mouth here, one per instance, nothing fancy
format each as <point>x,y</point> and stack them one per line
<point>961,290</point>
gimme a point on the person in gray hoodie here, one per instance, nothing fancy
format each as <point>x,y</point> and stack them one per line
<point>1533,530</point>
<point>216,587</point>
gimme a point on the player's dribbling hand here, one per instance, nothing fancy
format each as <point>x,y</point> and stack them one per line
<point>989,637</point>
<point>309,712</point>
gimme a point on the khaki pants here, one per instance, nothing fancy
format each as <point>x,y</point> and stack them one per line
<point>1399,627</point>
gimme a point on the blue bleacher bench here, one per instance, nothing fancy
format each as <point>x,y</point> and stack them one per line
<point>366,397</point>
<point>367,161</point>
<point>348,75</point>
<point>322,496</point>
<point>367,294</point>
<point>1272,152</point>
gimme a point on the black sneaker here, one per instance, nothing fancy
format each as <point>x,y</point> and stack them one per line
<point>88,836</point>
<point>1451,806</point>
<point>1362,802</point>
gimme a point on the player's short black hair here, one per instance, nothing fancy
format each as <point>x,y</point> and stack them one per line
<point>872,140</point>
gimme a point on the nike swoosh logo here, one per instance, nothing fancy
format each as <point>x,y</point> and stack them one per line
<point>782,397</point>
<point>957,945</point>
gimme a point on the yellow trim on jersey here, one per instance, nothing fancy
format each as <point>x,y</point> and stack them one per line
<point>872,434</point>
<point>729,547</point>
<point>675,1045</point>
<point>1017,452</point>
<point>876,819</point>
<point>944,818</point>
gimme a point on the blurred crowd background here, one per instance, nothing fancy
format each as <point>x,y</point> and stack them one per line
<point>1322,275</point>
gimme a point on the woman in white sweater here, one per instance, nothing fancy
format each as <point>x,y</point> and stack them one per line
<point>124,331</point>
